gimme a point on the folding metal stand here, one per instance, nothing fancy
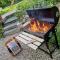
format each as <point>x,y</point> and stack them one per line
<point>47,38</point>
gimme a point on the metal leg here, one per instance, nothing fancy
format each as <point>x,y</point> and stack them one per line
<point>56,39</point>
<point>48,49</point>
<point>49,52</point>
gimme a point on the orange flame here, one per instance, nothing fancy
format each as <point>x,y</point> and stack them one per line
<point>36,26</point>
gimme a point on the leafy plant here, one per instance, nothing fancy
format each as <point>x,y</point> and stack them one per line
<point>22,7</point>
<point>5,3</point>
<point>26,4</point>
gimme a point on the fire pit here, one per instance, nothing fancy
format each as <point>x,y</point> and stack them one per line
<point>40,29</point>
<point>36,26</point>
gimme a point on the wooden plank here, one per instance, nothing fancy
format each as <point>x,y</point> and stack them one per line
<point>11,19</point>
<point>11,25</point>
<point>12,31</point>
<point>8,13</point>
<point>22,40</point>
<point>26,23</point>
<point>33,46</point>
<point>32,36</point>
<point>37,43</point>
<point>27,38</point>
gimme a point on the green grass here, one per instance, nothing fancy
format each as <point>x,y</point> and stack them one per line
<point>58,33</point>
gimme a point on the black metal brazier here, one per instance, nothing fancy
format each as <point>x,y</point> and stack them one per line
<point>50,15</point>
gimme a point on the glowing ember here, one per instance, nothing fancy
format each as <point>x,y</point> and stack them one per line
<point>36,26</point>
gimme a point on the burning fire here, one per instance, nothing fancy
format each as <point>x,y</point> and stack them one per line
<point>36,26</point>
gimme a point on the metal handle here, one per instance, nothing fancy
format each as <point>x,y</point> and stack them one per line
<point>55,30</point>
<point>57,14</point>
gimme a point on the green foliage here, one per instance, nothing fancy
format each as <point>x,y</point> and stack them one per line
<point>46,3</point>
<point>27,4</point>
<point>7,9</point>
<point>5,3</point>
<point>1,30</point>
<point>23,6</point>
<point>58,32</point>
